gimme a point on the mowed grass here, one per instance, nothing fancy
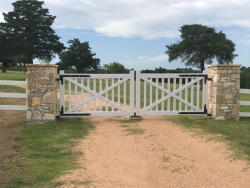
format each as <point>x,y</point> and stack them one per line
<point>244,97</point>
<point>13,75</point>
<point>235,133</point>
<point>49,150</point>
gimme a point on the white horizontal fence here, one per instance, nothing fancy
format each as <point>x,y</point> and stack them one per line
<point>245,114</point>
<point>13,95</point>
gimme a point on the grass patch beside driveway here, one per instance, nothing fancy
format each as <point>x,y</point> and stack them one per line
<point>49,149</point>
<point>236,133</point>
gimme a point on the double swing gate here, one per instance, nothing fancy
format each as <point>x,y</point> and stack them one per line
<point>133,94</point>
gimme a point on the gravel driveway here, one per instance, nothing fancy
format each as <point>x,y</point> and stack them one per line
<point>161,154</point>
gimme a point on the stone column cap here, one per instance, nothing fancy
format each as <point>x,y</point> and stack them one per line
<point>41,65</point>
<point>222,65</point>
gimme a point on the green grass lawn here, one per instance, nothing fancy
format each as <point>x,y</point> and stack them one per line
<point>49,150</point>
<point>13,75</point>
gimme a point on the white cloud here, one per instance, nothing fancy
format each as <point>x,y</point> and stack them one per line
<point>144,18</point>
<point>147,62</point>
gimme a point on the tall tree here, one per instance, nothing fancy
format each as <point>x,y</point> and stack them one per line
<point>200,45</point>
<point>29,28</point>
<point>5,52</point>
<point>114,68</point>
<point>78,55</point>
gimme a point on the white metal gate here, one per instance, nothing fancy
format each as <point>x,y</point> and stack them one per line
<point>170,94</point>
<point>113,94</point>
<point>96,94</point>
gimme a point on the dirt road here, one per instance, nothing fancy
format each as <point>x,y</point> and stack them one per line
<point>153,153</point>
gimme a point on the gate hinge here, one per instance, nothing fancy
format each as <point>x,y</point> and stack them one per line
<point>61,111</point>
<point>61,79</point>
<point>207,79</point>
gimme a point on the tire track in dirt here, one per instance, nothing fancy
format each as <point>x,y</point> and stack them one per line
<point>163,156</point>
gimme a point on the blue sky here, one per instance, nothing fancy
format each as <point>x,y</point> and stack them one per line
<point>135,32</point>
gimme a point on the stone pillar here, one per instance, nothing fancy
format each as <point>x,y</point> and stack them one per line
<point>223,93</point>
<point>41,86</point>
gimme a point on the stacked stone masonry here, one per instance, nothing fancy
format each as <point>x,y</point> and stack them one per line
<point>42,86</point>
<point>223,97</point>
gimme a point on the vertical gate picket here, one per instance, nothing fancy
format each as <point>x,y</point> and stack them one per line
<point>168,109</point>
<point>69,95</point>
<point>162,93</point>
<point>180,94</point>
<point>125,94</point>
<point>100,89</point>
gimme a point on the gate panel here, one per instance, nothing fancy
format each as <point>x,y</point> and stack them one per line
<point>170,94</point>
<point>97,94</point>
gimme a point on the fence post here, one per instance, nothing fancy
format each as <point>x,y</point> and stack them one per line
<point>42,98</point>
<point>223,93</point>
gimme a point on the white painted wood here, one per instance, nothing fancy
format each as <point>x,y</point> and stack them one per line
<point>69,95</point>
<point>75,92</point>
<point>169,94</point>
<point>132,96</point>
<point>88,86</point>
<point>169,101</point>
<point>245,91</point>
<point>186,94</point>
<point>145,94</point>
<point>100,89</point>
<point>192,94</point>
<point>14,83</point>
<point>198,94</point>
<point>94,89</point>
<point>114,107</point>
<point>244,102</point>
<point>162,94</point>
<point>180,94</point>
<point>244,114</point>
<point>151,94</point>
<point>156,94</point>
<point>13,107</point>
<point>82,93</point>
<point>13,95</point>
<point>174,88</point>
<point>106,94</point>
<point>113,93</point>
<point>138,93</point>
<point>93,93</point>
<point>125,94</point>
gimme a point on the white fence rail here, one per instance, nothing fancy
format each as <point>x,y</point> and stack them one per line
<point>245,114</point>
<point>13,95</point>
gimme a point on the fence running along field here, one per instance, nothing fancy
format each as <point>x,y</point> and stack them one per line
<point>243,103</point>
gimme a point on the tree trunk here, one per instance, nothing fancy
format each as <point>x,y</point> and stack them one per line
<point>202,66</point>
<point>29,59</point>
<point>202,69</point>
<point>3,68</point>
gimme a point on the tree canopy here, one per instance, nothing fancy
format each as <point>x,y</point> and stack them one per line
<point>78,55</point>
<point>115,68</point>
<point>200,45</point>
<point>28,28</point>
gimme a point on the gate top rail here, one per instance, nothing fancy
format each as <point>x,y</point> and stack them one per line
<point>171,75</point>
